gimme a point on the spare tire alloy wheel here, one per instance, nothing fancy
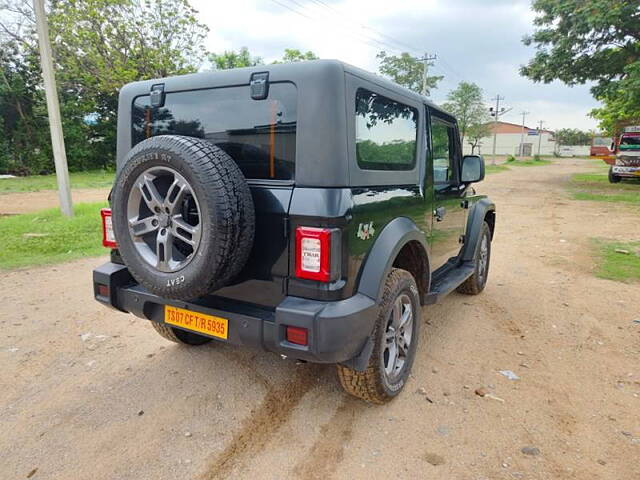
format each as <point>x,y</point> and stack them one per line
<point>183,216</point>
<point>164,219</point>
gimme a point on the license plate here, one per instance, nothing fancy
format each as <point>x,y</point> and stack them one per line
<point>627,170</point>
<point>197,322</point>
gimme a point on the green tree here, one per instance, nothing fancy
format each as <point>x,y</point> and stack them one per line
<point>25,145</point>
<point>465,103</point>
<point>477,132</point>
<point>406,71</point>
<point>295,55</point>
<point>621,105</point>
<point>98,45</point>
<point>231,59</point>
<point>572,136</point>
<point>596,41</point>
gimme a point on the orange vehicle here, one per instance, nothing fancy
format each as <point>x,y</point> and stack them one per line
<point>601,148</point>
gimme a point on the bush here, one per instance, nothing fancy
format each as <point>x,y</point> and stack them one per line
<point>536,158</point>
<point>511,158</point>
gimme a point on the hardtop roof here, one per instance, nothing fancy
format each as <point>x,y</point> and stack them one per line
<point>282,72</point>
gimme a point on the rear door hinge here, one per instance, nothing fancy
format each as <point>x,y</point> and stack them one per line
<point>285,222</point>
<point>157,95</point>
<point>259,84</point>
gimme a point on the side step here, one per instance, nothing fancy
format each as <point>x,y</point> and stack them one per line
<point>448,283</point>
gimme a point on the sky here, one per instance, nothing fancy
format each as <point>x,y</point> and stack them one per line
<point>477,41</point>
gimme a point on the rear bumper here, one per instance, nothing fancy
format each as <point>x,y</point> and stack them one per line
<point>337,331</point>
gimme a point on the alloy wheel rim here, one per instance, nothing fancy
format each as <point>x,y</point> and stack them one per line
<point>163,217</point>
<point>398,336</point>
<point>484,258</point>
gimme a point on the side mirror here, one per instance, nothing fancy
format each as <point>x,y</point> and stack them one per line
<point>472,168</point>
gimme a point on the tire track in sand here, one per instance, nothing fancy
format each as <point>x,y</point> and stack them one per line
<point>273,412</point>
<point>328,450</point>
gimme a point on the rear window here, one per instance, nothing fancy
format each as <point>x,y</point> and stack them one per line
<point>260,135</point>
<point>386,132</point>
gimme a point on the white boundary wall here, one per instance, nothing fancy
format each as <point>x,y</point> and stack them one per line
<point>508,144</point>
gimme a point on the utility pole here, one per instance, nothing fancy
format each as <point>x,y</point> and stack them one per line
<point>540,135</point>
<point>496,116</point>
<point>53,109</point>
<point>425,61</point>
<point>521,149</point>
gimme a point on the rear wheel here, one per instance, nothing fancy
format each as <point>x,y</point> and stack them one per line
<point>612,177</point>
<point>396,336</point>
<point>179,336</point>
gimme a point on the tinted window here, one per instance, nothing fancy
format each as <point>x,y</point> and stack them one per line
<point>386,133</point>
<point>443,151</point>
<point>260,135</point>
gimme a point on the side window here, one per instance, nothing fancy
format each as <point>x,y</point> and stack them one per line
<point>386,133</point>
<point>443,152</point>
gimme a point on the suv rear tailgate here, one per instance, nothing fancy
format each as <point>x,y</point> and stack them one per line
<point>263,279</point>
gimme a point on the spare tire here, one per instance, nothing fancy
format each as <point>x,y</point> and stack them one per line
<point>183,216</point>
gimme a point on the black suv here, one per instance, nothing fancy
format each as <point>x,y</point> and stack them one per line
<point>309,209</point>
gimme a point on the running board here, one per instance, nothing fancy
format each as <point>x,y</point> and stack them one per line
<point>449,283</point>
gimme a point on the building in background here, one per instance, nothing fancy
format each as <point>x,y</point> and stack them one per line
<point>508,136</point>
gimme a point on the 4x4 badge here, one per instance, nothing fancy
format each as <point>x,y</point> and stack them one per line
<point>365,231</point>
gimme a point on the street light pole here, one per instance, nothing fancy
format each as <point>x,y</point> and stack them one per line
<point>425,62</point>
<point>53,109</point>
<point>496,115</point>
<point>521,149</point>
<point>540,136</point>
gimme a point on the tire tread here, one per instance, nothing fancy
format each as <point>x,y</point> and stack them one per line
<point>367,385</point>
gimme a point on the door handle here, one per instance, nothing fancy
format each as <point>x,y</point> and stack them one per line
<point>439,213</point>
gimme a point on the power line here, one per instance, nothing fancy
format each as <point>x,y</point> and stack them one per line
<point>451,69</point>
<point>360,37</point>
<point>333,27</point>
<point>366,27</point>
<point>347,28</point>
<point>446,68</point>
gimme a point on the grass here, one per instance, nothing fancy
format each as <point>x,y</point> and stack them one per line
<point>47,237</point>
<point>495,168</point>
<point>528,163</point>
<point>596,187</point>
<point>614,264</point>
<point>34,183</point>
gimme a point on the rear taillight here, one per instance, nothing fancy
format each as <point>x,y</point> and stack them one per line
<point>297,335</point>
<point>108,238</point>
<point>313,253</point>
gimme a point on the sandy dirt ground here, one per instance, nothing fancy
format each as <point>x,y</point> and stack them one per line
<point>89,393</point>
<point>28,202</point>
